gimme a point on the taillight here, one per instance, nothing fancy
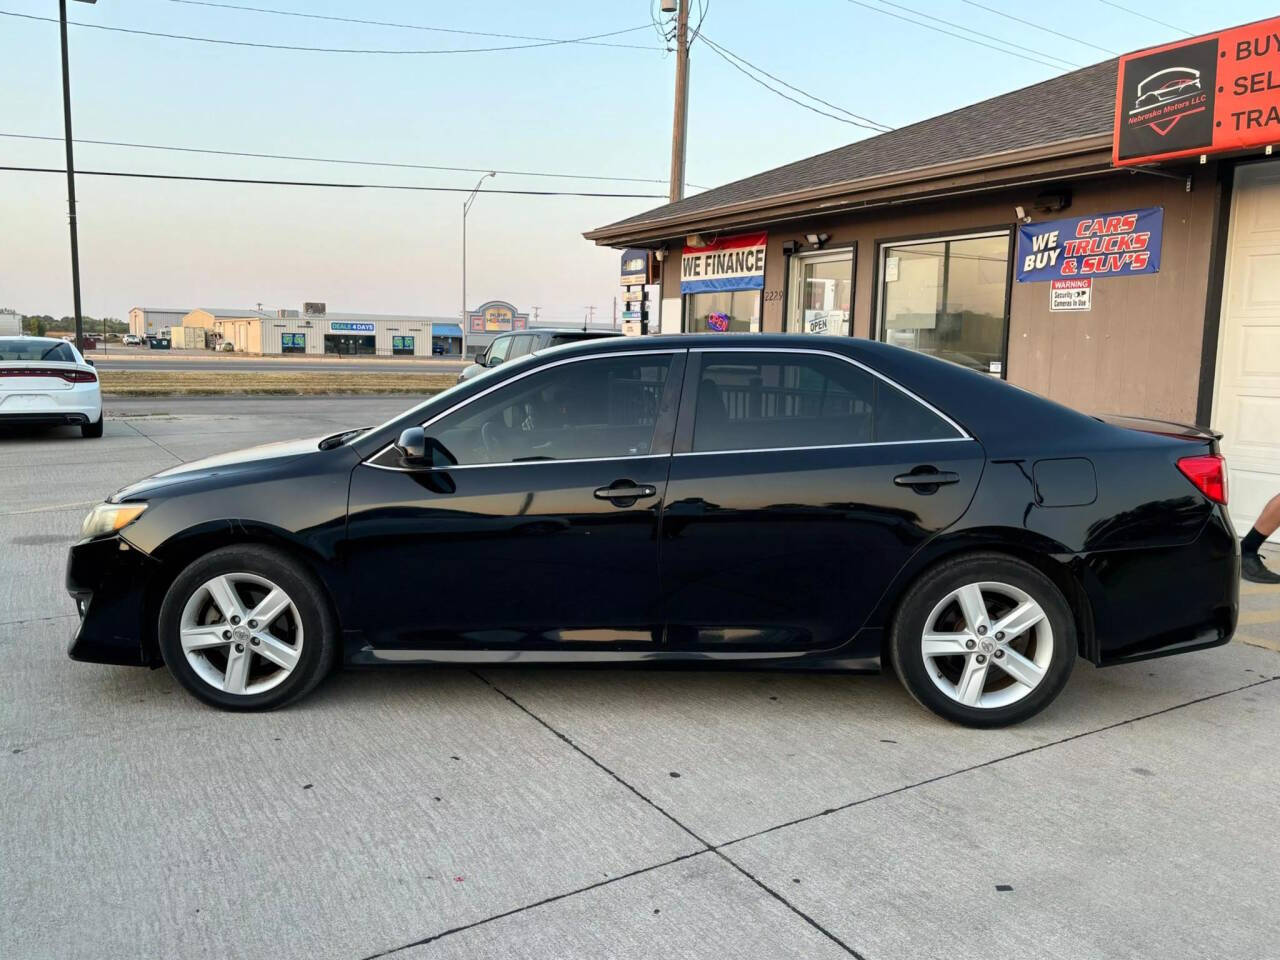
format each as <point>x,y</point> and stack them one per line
<point>71,376</point>
<point>1209,473</point>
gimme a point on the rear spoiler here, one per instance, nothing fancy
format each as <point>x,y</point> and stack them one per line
<point>1165,428</point>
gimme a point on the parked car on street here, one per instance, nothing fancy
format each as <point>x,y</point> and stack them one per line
<point>510,346</point>
<point>781,502</point>
<point>45,381</point>
<point>131,340</point>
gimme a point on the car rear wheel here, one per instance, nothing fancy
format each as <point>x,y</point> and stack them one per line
<point>92,430</point>
<point>984,640</point>
<point>247,628</point>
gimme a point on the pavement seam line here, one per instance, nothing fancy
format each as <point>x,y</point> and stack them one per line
<point>710,847</point>
<point>153,440</point>
<point>995,760</point>
<point>540,903</point>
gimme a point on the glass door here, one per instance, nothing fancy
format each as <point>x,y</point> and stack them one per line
<point>820,298</point>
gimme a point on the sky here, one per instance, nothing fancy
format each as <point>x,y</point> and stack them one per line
<point>565,108</point>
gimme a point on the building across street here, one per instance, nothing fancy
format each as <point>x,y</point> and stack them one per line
<point>1109,238</point>
<point>310,330</point>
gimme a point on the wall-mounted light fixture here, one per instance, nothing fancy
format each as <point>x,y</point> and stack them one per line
<point>817,239</point>
<point>789,247</point>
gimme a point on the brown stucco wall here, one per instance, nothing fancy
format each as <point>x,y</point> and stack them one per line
<point>1137,351</point>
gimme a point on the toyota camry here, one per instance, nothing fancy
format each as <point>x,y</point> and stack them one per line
<point>731,501</point>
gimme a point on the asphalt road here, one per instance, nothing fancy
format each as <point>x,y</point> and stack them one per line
<point>546,813</point>
<point>206,360</point>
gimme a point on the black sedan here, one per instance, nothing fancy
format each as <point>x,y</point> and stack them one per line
<point>743,500</point>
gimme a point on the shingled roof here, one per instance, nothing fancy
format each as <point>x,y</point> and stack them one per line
<point>1065,109</point>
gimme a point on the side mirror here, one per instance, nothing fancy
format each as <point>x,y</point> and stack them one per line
<point>480,359</point>
<point>412,444</point>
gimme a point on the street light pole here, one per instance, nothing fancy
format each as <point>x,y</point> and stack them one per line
<point>466,208</point>
<point>71,175</point>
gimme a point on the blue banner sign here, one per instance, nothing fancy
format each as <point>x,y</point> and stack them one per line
<point>1103,245</point>
<point>338,325</point>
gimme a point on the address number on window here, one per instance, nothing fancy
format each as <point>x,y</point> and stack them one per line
<point>772,295</point>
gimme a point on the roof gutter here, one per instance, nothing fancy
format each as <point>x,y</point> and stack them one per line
<point>1071,158</point>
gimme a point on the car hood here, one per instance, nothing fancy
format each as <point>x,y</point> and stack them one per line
<point>251,459</point>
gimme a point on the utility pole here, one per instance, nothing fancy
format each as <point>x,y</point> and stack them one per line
<point>680,124</point>
<point>535,315</point>
<point>614,322</point>
<point>71,176</point>
<point>466,208</point>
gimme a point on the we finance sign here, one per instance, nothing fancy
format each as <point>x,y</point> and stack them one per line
<point>732,263</point>
<point>1102,245</point>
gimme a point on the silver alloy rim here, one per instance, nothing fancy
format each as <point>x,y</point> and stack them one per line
<point>984,625</point>
<point>241,633</point>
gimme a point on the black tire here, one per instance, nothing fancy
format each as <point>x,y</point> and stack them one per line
<point>91,431</point>
<point>319,649</point>
<point>905,641</point>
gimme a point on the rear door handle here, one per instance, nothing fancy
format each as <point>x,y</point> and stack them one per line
<point>923,477</point>
<point>623,490</point>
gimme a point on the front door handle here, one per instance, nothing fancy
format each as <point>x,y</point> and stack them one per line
<point>926,479</point>
<point>623,493</point>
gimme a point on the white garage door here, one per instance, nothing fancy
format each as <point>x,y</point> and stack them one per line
<point>1246,405</point>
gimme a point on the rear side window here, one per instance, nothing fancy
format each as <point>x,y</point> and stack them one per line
<point>764,401</point>
<point>521,345</point>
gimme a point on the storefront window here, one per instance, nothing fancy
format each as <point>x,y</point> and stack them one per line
<point>722,311</point>
<point>821,293</point>
<point>293,343</point>
<point>948,297</point>
<point>402,346</point>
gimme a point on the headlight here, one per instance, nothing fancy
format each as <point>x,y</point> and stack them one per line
<point>110,517</point>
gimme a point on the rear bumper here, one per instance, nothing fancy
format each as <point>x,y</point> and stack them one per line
<point>1156,602</point>
<point>50,419</point>
<point>77,405</point>
<point>108,580</point>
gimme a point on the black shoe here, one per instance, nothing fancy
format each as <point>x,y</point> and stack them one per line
<point>1253,569</point>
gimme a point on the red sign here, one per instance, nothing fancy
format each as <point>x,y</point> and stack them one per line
<point>1208,94</point>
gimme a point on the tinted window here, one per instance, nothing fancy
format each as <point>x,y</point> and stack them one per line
<point>521,345</point>
<point>753,401</point>
<point>604,407</point>
<point>58,351</point>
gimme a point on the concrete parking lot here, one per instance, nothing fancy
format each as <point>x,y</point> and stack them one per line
<point>600,813</point>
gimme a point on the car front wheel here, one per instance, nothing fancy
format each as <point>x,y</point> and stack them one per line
<point>247,628</point>
<point>984,640</point>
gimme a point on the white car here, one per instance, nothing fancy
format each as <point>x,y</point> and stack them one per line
<point>131,340</point>
<point>44,380</point>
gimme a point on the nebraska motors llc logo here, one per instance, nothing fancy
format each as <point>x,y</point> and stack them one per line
<point>1168,100</point>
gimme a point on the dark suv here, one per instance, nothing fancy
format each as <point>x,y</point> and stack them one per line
<point>512,345</point>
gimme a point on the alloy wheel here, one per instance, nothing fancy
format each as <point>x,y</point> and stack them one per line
<point>241,633</point>
<point>981,626</point>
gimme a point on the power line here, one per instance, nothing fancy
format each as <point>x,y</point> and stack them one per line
<point>1036,26</point>
<point>310,159</point>
<point>286,46</point>
<point>800,103</point>
<point>979,33</point>
<point>958,36</point>
<point>1146,16</point>
<point>402,26</point>
<point>883,127</point>
<point>319,183</point>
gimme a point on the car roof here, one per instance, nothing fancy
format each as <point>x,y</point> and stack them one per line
<point>30,336</point>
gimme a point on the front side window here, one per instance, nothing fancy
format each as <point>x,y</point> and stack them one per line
<point>588,409</point>
<point>498,350</point>
<point>722,311</point>
<point>948,298</point>
<point>767,401</point>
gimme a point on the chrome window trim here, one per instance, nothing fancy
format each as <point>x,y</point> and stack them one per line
<point>964,434</point>
<point>518,463</point>
<point>498,386</point>
<point>820,446</point>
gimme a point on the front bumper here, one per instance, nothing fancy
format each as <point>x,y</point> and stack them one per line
<point>109,579</point>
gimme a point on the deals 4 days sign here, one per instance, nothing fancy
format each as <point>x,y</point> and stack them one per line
<point>1101,245</point>
<point>1204,95</point>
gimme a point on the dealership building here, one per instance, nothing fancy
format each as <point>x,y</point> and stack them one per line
<point>1109,238</point>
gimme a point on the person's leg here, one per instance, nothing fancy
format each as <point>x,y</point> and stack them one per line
<point>1252,567</point>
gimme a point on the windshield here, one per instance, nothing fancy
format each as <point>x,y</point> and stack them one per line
<point>55,351</point>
